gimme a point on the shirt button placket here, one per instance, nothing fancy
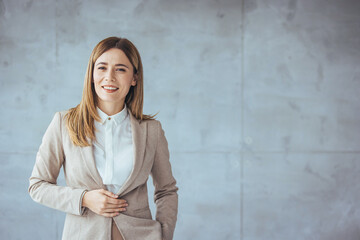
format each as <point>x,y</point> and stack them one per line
<point>109,152</point>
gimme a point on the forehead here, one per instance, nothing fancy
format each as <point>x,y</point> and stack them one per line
<point>113,56</point>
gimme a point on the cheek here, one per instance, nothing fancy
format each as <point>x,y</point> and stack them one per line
<point>96,83</point>
<point>95,77</point>
<point>96,80</point>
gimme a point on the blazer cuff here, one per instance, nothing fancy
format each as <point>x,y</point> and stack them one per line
<point>81,208</point>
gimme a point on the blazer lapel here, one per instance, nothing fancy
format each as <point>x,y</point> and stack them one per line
<point>139,140</point>
<point>88,157</point>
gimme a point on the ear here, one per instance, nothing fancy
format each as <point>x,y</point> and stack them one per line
<point>134,81</point>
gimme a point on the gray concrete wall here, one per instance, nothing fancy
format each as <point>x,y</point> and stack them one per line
<point>259,101</point>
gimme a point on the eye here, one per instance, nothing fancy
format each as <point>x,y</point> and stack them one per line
<point>121,70</point>
<point>101,68</point>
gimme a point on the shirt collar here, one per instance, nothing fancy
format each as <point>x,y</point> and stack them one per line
<point>118,117</point>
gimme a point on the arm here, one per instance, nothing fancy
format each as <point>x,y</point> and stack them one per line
<point>42,182</point>
<point>165,196</point>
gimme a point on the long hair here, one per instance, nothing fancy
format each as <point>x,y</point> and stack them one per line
<point>80,119</point>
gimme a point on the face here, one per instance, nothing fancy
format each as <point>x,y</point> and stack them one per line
<point>113,76</point>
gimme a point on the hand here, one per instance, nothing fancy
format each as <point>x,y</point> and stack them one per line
<point>104,203</point>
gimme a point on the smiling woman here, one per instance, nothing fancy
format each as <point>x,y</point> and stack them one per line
<point>113,77</point>
<point>108,148</point>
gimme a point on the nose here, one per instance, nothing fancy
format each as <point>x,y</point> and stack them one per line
<point>109,76</point>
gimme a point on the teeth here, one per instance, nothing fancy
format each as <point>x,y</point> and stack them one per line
<point>110,88</point>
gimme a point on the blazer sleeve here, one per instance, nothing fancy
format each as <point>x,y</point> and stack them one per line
<point>42,182</point>
<point>165,195</point>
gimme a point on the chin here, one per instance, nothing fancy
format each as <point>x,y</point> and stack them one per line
<point>110,99</point>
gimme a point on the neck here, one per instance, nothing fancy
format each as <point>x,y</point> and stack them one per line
<point>111,108</point>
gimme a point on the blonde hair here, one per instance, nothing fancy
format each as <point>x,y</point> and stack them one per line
<point>80,119</point>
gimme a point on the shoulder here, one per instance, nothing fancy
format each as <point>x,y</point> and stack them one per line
<point>152,123</point>
<point>62,113</point>
<point>154,128</point>
<point>55,127</point>
<point>57,121</point>
<point>59,117</point>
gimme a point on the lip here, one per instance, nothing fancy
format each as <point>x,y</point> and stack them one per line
<point>110,86</point>
<point>108,90</point>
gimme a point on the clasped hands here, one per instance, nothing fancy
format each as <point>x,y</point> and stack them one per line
<point>104,203</point>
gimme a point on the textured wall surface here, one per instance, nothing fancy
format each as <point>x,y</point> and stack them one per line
<point>259,101</point>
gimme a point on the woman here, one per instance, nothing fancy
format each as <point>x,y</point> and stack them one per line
<point>108,148</point>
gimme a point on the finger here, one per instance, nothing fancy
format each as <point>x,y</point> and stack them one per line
<point>115,206</point>
<point>114,210</point>
<point>109,194</point>
<point>110,214</point>
<point>116,201</point>
<point>111,205</point>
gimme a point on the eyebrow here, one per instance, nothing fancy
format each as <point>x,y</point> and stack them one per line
<point>118,64</point>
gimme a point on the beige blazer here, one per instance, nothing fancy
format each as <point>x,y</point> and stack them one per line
<point>136,223</point>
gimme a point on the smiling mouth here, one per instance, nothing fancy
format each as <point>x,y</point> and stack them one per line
<point>110,89</point>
